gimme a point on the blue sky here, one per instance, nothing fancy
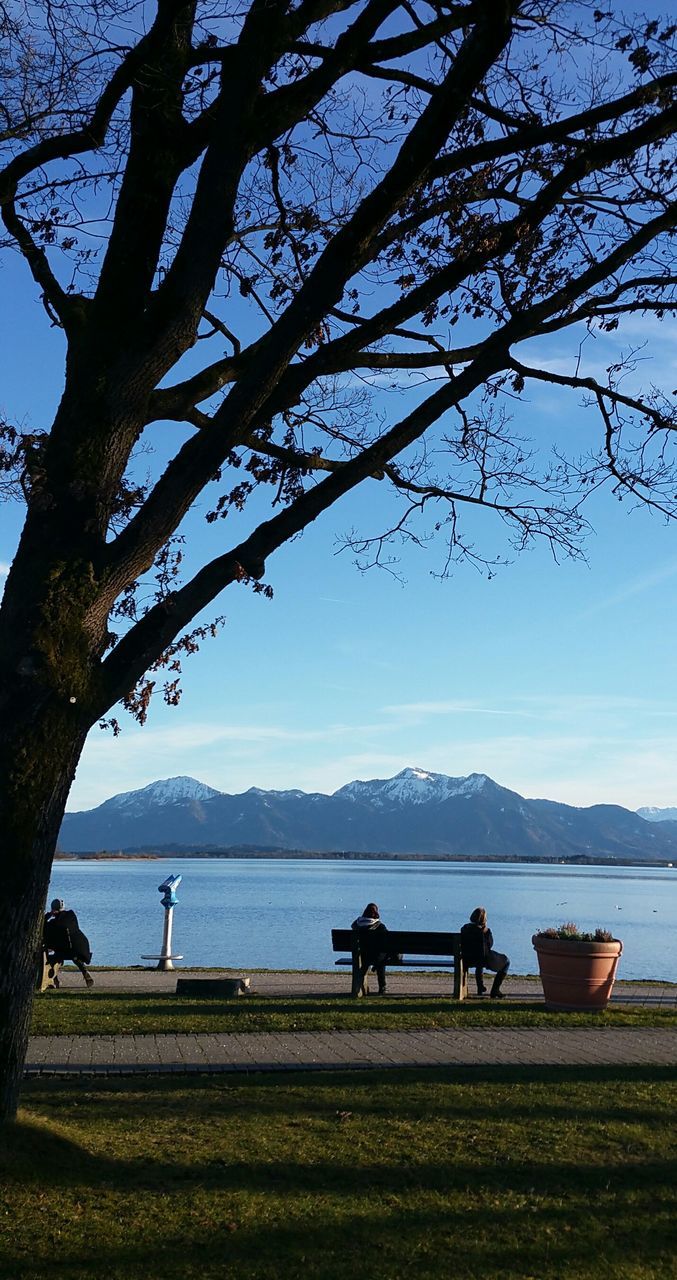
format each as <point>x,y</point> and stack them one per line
<point>556,680</point>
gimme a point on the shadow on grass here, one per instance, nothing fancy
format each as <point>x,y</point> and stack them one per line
<point>432,1243</point>
<point>485,1095</point>
<point>36,1153</point>
<point>247,1007</point>
<point>312,1002</point>
<point>327,1218</point>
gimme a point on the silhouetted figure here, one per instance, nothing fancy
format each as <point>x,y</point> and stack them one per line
<point>373,944</point>
<point>64,939</point>
<point>477,949</point>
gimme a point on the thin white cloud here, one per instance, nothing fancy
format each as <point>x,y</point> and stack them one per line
<point>543,707</point>
<point>597,766</point>
<point>361,765</point>
<point>633,588</point>
<point>579,748</point>
<point>4,568</point>
<point>228,757</point>
<point>582,701</point>
<point>444,708</point>
<point>166,741</point>
<point>577,769</point>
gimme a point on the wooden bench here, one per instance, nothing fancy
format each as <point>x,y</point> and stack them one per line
<point>427,947</point>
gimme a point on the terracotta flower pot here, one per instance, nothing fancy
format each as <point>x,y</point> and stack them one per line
<point>576,975</point>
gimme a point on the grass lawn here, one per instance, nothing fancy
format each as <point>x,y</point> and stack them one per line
<point>554,1174</point>
<point>108,1013</point>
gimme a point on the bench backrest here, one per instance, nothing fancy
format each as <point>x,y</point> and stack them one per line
<point>403,942</point>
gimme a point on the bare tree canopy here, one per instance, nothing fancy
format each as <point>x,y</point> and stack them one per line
<point>244,217</point>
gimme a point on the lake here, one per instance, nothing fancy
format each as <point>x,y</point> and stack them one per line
<point>277,913</point>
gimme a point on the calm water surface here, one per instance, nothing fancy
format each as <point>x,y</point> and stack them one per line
<point>277,914</point>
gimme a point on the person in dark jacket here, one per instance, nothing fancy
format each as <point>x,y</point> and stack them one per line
<point>477,949</point>
<point>373,943</point>
<point>63,937</point>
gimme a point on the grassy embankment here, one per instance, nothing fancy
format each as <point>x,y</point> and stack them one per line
<point>510,1173</point>
<point>115,1013</point>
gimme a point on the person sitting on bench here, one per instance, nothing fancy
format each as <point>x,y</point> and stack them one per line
<point>373,940</point>
<point>63,937</point>
<point>477,949</point>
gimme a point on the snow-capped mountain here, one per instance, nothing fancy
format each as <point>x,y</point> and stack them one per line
<point>168,791</point>
<point>416,812</point>
<point>414,786</point>
<point>651,814</point>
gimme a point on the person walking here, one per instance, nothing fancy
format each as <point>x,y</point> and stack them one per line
<point>477,950</point>
<point>373,948</point>
<point>63,937</point>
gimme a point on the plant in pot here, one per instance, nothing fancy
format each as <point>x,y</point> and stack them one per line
<point>577,969</point>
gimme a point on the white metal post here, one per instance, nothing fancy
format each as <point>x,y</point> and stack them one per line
<point>165,961</point>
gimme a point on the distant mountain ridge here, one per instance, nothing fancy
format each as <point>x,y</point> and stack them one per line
<point>167,791</point>
<point>651,814</point>
<point>416,812</point>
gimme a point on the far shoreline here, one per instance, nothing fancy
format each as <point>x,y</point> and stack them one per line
<point>164,854</point>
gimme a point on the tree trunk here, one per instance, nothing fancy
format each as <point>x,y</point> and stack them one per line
<point>39,752</point>
<point>49,661</point>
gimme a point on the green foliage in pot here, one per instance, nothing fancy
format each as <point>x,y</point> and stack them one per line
<point>570,932</point>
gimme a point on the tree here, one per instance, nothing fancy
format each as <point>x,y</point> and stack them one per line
<point>240,219</point>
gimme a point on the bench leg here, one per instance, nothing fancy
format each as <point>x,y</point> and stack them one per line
<point>360,986</point>
<point>460,979</point>
<point>356,988</point>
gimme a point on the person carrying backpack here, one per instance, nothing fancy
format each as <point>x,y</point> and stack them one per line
<point>63,937</point>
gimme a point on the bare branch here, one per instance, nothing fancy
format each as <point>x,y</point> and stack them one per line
<point>151,635</point>
<point>93,133</point>
<point>600,392</point>
<point>348,249</point>
<point>66,309</point>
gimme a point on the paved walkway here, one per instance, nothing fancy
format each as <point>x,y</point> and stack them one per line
<point>307,1050</point>
<point>317,1051</point>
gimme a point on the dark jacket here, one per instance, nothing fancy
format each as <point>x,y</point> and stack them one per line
<point>373,939</point>
<point>476,943</point>
<point>63,935</point>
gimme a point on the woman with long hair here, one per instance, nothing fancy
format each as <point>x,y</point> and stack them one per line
<point>477,949</point>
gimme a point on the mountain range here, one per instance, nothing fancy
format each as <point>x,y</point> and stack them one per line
<point>652,814</point>
<point>415,813</point>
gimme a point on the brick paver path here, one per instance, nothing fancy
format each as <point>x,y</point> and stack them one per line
<point>310,1050</point>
